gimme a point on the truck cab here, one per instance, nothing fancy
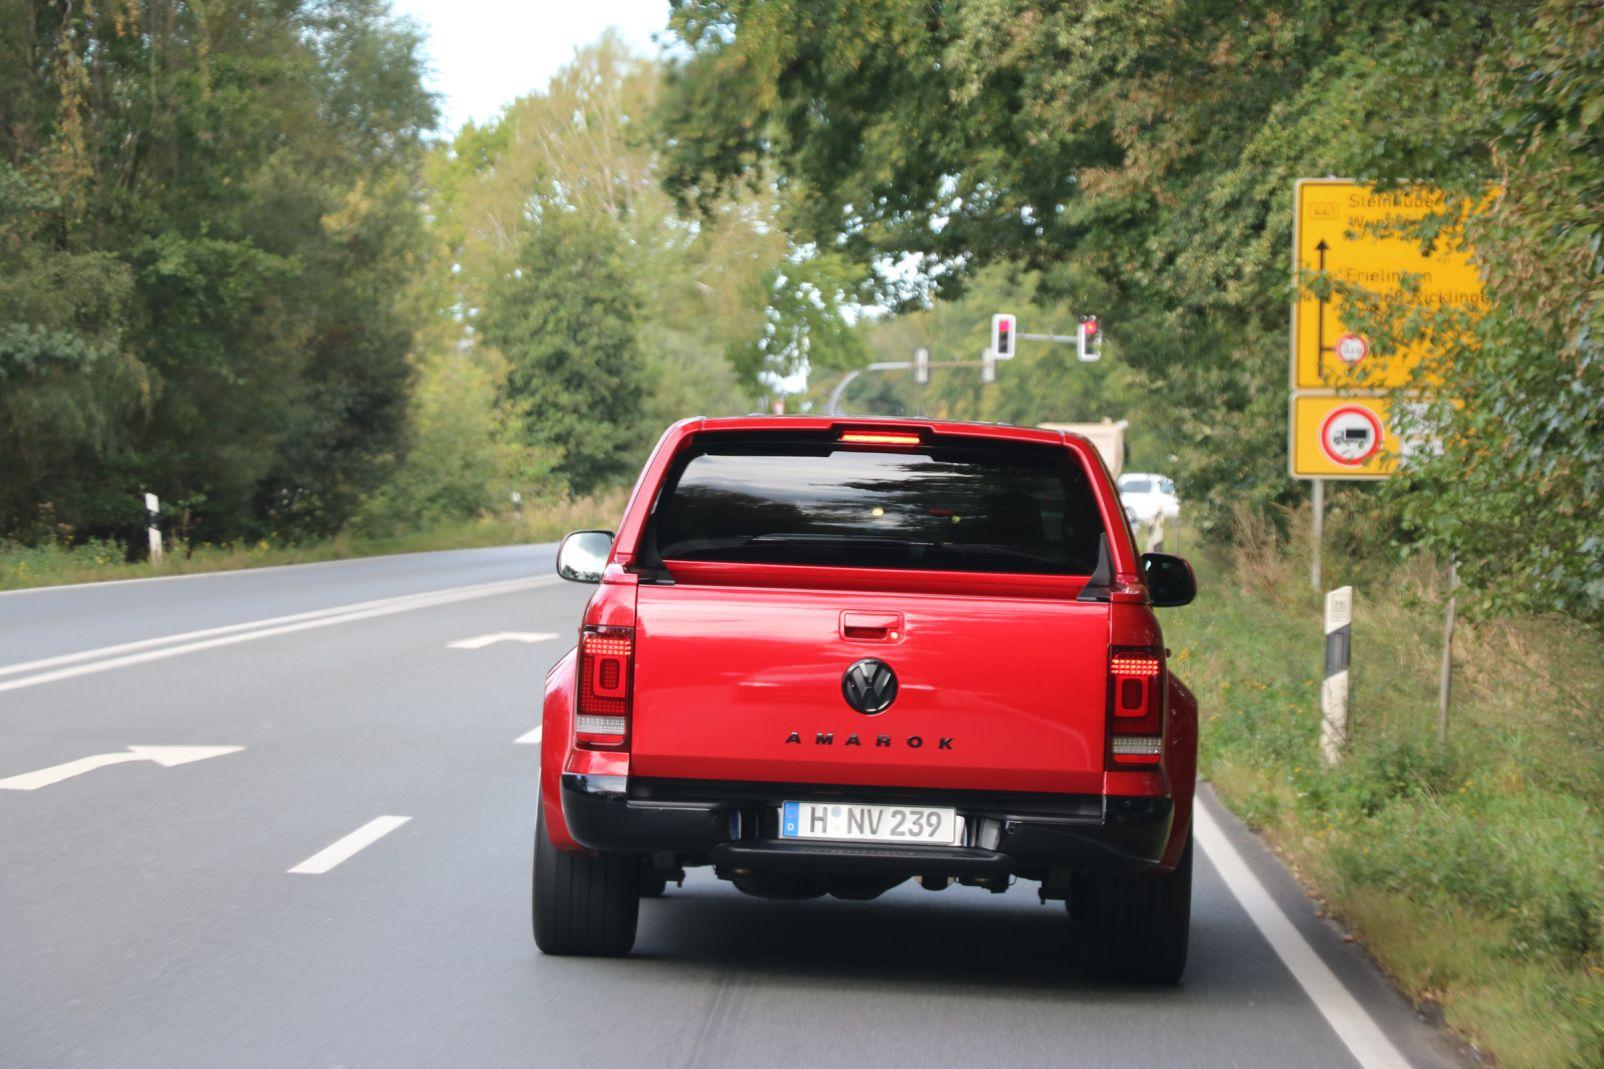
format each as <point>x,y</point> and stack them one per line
<point>829,655</point>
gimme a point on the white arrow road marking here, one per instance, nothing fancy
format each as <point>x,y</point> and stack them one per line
<point>479,642</point>
<point>166,756</point>
<point>233,634</point>
<point>344,848</point>
<point>532,737</point>
<point>1357,1030</point>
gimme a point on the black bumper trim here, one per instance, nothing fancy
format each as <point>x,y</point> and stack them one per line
<point>1029,832</point>
<point>786,855</point>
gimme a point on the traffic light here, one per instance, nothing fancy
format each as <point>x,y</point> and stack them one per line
<point>1002,335</point>
<point>921,365</point>
<point>1089,340</point>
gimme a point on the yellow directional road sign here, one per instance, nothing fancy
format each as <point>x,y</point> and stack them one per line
<point>1341,438</point>
<point>1334,231</point>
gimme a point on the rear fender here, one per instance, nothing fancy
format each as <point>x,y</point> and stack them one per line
<point>556,729</point>
<point>1182,765</point>
<point>612,605</point>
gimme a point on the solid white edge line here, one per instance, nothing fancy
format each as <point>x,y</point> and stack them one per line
<point>1356,1028</point>
<point>264,568</point>
<point>388,608</point>
<point>224,629</point>
<point>344,848</point>
<point>531,737</point>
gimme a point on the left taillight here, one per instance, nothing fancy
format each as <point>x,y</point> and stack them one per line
<point>606,676</point>
<point>1135,706</point>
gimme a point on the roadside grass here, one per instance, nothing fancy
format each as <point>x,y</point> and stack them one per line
<point>1474,874</point>
<point>55,564</point>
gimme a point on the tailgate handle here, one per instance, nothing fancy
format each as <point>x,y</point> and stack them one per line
<point>871,626</point>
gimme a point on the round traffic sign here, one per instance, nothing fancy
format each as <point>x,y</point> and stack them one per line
<point>1351,349</point>
<point>1350,435</point>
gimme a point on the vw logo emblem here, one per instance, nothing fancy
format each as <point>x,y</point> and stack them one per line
<point>870,686</point>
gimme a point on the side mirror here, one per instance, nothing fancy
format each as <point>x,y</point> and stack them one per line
<point>1170,582</point>
<point>583,555</point>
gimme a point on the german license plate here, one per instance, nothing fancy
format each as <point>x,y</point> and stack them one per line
<point>845,822</point>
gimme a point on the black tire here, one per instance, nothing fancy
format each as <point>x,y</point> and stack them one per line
<point>652,885</point>
<point>584,904</point>
<point>1135,928</point>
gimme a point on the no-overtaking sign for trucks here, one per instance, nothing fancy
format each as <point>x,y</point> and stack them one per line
<point>1342,438</point>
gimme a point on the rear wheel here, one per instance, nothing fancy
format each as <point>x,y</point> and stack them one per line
<point>584,904</point>
<point>1135,927</point>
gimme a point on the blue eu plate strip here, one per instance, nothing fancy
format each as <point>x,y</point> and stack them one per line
<point>790,816</point>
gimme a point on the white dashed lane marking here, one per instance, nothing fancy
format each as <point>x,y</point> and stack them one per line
<point>479,642</point>
<point>346,848</point>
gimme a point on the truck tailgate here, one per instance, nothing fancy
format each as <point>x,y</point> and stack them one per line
<point>994,693</point>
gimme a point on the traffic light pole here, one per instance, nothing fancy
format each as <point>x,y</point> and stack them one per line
<point>1004,339</point>
<point>832,407</point>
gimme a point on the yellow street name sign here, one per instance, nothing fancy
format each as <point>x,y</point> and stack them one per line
<point>1335,232</point>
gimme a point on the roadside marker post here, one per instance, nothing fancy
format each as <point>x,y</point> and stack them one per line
<point>153,506</point>
<point>1334,689</point>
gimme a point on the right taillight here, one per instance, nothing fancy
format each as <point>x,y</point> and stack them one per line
<point>606,660</point>
<point>1135,705</point>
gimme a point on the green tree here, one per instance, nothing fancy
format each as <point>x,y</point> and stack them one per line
<point>1517,493</point>
<point>565,315</point>
<point>244,179</point>
<point>467,454</point>
<point>69,385</point>
<point>1141,159</point>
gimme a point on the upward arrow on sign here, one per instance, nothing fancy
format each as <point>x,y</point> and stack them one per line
<point>1320,323</point>
<point>166,756</point>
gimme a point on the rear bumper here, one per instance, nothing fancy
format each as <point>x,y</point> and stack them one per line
<point>737,825</point>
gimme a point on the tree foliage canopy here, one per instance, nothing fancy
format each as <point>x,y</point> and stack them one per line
<point>205,210</point>
<point>1143,157</point>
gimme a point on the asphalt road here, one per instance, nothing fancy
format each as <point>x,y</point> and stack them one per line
<point>148,916</point>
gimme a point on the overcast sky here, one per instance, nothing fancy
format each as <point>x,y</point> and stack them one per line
<point>484,53</point>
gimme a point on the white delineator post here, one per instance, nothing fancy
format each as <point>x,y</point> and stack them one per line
<point>153,506</point>
<point>1334,690</point>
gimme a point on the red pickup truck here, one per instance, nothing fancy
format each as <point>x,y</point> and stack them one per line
<point>827,656</point>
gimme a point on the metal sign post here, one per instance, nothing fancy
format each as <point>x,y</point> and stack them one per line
<point>1445,681</point>
<point>1317,533</point>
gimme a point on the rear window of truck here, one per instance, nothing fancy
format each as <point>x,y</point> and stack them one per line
<point>1002,508</point>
